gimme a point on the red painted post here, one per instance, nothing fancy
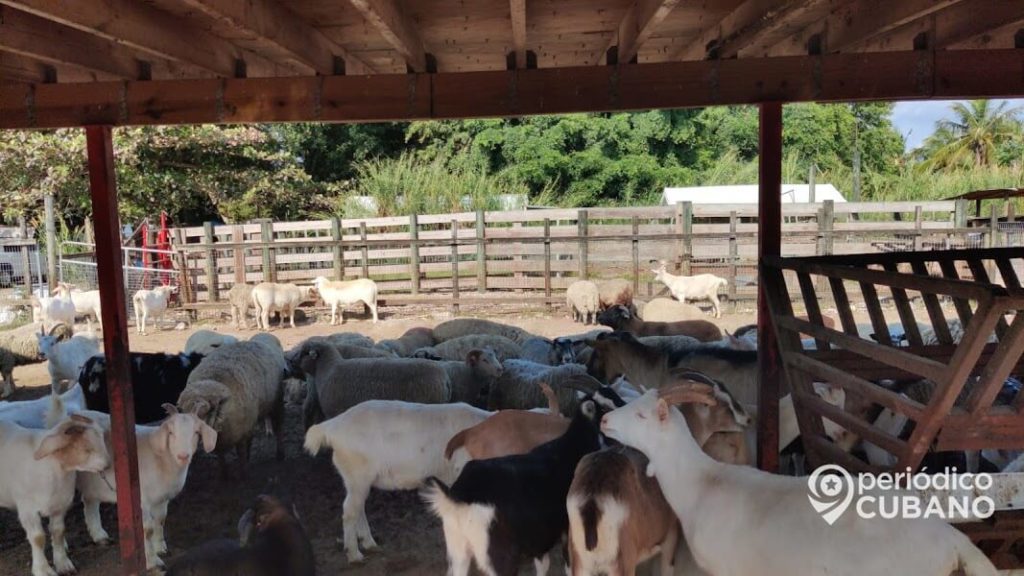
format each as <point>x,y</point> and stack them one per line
<point>769,243</point>
<point>115,341</point>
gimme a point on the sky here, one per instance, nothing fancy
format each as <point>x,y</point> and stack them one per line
<point>916,120</point>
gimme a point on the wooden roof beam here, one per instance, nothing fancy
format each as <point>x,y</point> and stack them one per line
<point>40,39</point>
<point>141,26</point>
<point>517,12</point>
<point>395,26</point>
<point>273,22</point>
<point>858,21</point>
<point>18,68</point>
<point>636,27</point>
<point>744,19</point>
<point>775,24</point>
<point>954,25</point>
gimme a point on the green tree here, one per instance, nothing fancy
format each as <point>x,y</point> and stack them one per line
<point>972,137</point>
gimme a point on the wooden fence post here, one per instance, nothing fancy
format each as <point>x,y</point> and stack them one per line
<point>338,249</point>
<point>212,290</point>
<point>636,255</point>
<point>993,227</point>
<point>733,257</point>
<point>680,230</point>
<point>582,226</point>
<point>960,213</point>
<point>267,242</point>
<point>365,250</point>
<point>918,225</point>
<point>238,238</point>
<point>826,225</point>
<point>455,267</point>
<point>547,261</point>
<point>26,260</point>
<point>481,253</point>
<point>687,238</point>
<point>414,252</point>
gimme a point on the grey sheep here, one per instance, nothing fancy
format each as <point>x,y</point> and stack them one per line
<point>457,348</point>
<point>466,326</point>
<point>240,300</point>
<point>411,341</point>
<point>235,389</point>
<point>346,350</point>
<point>519,386</point>
<point>335,384</point>
<point>351,339</point>
<point>551,352</point>
<point>672,345</point>
<point>471,379</point>
<point>20,347</point>
<point>583,298</point>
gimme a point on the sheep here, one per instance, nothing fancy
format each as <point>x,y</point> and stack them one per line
<point>519,385</point>
<point>672,345</point>
<point>471,379</point>
<point>52,310</point>
<point>551,352</point>
<point>86,303</point>
<point>38,479</point>
<point>20,347</point>
<point>147,302</point>
<point>620,319</point>
<point>335,384</point>
<point>350,339</point>
<point>345,292</point>
<point>157,379</point>
<point>583,299</point>
<point>413,339</point>
<point>268,297</point>
<point>388,445</point>
<point>618,516</point>
<point>711,499</point>
<point>699,287</point>
<point>615,292</point>
<point>278,546</point>
<point>206,341</point>
<point>669,310</point>
<point>235,389</point>
<point>457,348</point>
<point>33,413</point>
<point>66,358</point>
<point>240,299</point>
<point>164,455</point>
<point>502,509</point>
<point>451,329</point>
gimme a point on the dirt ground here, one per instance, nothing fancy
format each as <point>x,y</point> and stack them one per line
<point>209,507</point>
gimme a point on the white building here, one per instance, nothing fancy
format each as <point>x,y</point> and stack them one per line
<point>747,194</point>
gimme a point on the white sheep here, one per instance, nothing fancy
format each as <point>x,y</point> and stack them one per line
<point>151,302</point>
<point>38,479</point>
<point>584,301</point>
<point>344,292</point>
<point>87,303</point>
<point>699,287</point>
<point>269,297</point>
<point>206,341</point>
<point>713,500</point>
<point>235,389</point>
<point>240,299</point>
<point>388,445</point>
<point>668,310</point>
<point>19,347</point>
<point>457,348</point>
<point>65,358</point>
<point>52,310</point>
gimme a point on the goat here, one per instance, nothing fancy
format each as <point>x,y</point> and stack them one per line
<point>153,302</point>
<point>620,319</point>
<point>699,287</point>
<point>157,379</point>
<point>86,303</point>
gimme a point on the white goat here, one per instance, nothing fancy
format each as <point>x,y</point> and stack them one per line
<point>52,310</point>
<point>33,413</point>
<point>38,479</point>
<point>67,357</point>
<point>343,293</point>
<point>153,302</point>
<point>699,287</point>
<point>268,297</point>
<point>86,303</point>
<point>388,445</point>
<point>713,499</point>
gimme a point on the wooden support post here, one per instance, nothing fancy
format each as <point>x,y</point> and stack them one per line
<point>237,238</point>
<point>636,255</point>
<point>582,226</point>
<point>212,292</point>
<point>267,244</point>
<point>687,238</point>
<point>733,257</point>
<point>414,253</point>
<point>681,231</point>
<point>769,212</point>
<point>918,226</point>
<point>90,233</point>
<point>338,249</point>
<point>26,259</point>
<point>960,213</point>
<point>455,267</point>
<point>51,242</point>
<point>481,253</point>
<point>115,340</point>
<point>365,250</point>
<point>826,224</point>
<point>547,261</point>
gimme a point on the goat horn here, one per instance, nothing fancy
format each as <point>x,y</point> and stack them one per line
<point>688,392</point>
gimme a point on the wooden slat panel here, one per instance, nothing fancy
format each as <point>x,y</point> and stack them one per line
<point>998,368</point>
<point>865,430</point>
<point>962,305</point>
<point>830,453</point>
<point>931,302</point>
<point>899,296</point>
<point>813,307</point>
<point>846,319</point>
<point>874,307</point>
<point>981,275</point>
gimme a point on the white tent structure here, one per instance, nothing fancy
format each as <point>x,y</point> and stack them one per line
<point>747,194</point>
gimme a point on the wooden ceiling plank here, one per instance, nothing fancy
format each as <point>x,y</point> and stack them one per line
<point>18,68</point>
<point>772,26</point>
<point>859,21</point>
<point>517,11</point>
<point>47,41</point>
<point>731,24</point>
<point>143,27</point>
<point>397,28</point>
<point>950,27</point>
<point>640,21</point>
<point>275,23</point>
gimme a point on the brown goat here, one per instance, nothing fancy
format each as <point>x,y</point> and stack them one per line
<point>615,292</point>
<point>620,319</point>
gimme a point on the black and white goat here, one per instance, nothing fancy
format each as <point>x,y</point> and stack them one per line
<point>157,379</point>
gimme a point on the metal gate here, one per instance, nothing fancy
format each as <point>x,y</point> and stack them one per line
<point>140,267</point>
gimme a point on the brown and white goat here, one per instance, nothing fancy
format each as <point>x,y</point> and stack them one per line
<point>511,431</point>
<point>619,318</point>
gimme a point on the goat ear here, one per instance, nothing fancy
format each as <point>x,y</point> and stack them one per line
<point>209,436</point>
<point>58,440</point>
<point>662,411</point>
<point>650,469</point>
<point>171,409</point>
<point>589,409</point>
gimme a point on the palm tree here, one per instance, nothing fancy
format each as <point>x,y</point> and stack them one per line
<point>972,136</point>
